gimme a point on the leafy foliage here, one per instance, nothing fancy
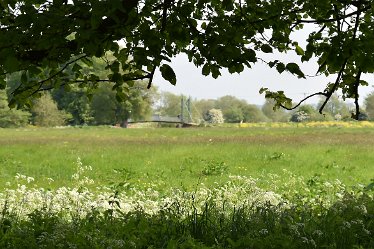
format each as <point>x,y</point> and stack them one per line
<point>76,103</point>
<point>48,42</point>
<point>45,112</point>
<point>10,117</point>
<point>107,109</point>
<point>274,114</point>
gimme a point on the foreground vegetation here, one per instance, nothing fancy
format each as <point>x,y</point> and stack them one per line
<point>254,187</point>
<point>237,214</point>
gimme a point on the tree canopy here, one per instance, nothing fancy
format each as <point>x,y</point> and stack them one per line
<point>49,42</point>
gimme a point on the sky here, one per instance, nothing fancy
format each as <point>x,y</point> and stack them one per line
<point>246,85</point>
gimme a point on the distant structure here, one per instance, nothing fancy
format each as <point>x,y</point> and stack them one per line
<point>184,119</point>
<point>186,114</point>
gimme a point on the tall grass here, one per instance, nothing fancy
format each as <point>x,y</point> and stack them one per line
<point>186,157</point>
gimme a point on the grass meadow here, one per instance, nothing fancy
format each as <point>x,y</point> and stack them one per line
<point>223,187</point>
<point>186,157</point>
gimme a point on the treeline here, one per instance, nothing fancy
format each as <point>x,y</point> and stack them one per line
<point>75,107</point>
<point>230,109</point>
<point>79,104</point>
<point>59,107</point>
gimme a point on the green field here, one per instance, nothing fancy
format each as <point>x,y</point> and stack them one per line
<point>187,188</point>
<point>186,157</point>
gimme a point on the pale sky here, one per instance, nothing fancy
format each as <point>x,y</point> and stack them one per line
<point>191,82</point>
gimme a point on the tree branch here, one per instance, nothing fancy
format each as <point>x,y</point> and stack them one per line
<point>166,5</point>
<point>320,21</point>
<point>58,72</point>
<point>301,101</point>
<point>148,76</point>
<point>335,86</point>
<point>357,84</point>
<point>151,74</point>
<point>337,81</point>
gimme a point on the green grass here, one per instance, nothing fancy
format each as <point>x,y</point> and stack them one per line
<point>185,157</point>
<point>276,210</point>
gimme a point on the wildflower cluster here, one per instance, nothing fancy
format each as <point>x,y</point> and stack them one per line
<point>311,124</point>
<point>292,213</point>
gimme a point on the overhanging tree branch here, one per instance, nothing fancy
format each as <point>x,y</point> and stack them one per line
<point>166,5</point>
<point>340,74</point>
<point>357,84</point>
<point>40,83</point>
<point>321,21</point>
<point>302,101</point>
<point>58,72</point>
<point>335,86</point>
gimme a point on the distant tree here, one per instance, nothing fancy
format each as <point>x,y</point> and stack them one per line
<point>362,116</point>
<point>140,102</point>
<point>169,104</point>
<point>11,117</point>
<point>107,109</point>
<point>300,116</point>
<point>236,110</point>
<point>201,108</point>
<point>278,115</point>
<point>253,114</point>
<point>369,106</point>
<point>76,103</point>
<point>103,106</point>
<point>310,113</point>
<point>214,116</point>
<point>233,114</point>
<point>228,101</point>
<point>335,106</point>
<point>45,112</point>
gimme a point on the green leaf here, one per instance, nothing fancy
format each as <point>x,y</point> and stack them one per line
<point>2,82</point>
<point>295,69</point>
<point>88,62</point>
<point>263,89</point>
<point>239,68</point>
<point>12,103</point>
<point>215,72</point>
<point>168,74</point>
<point>115,67</point>
<point>273,63</point>
<point>299,50</point>
<point>266,48</point>
<point>120,96</point>
<point>364,83</point>
<point>281,67</point>
<point>116,77</point>
<point>232,69</point>
<point>76,67</point>
<point>206,69</point>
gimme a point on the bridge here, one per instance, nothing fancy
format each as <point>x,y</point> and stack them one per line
<point>166,120</point>
<point>184,119</point>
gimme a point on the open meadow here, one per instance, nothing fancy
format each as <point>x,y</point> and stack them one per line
<point>227,187</point>
<point>173,157</point>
